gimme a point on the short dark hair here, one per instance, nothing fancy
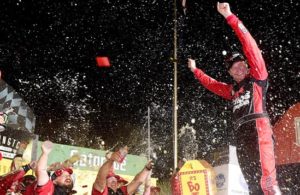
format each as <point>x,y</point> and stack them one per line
<point>232,58</point>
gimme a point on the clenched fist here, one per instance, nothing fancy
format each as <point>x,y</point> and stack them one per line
<point>224,9</point>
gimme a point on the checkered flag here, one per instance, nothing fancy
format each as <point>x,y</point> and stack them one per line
<point>22,117</point>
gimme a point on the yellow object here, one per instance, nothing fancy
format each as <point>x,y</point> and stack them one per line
<point>5,166</point>
<point>70,162</point>
<point>197,177</point>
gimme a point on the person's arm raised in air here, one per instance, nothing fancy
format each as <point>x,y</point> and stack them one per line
<point>41,168</point>
<point>147,188</point>
<point>100,181</point>
<point>140,178</point>
<point>252,52</point>
<point>219,88</point>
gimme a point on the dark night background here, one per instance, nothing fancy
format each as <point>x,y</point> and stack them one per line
<point>48,50</point>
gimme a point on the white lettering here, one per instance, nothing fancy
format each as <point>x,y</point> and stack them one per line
<point>82,162</point>
<point>4,140</point>
<point>122,166</point>
<point>103,159</point>
<point>7,149</point>
<point>90,160</point>
<point>242,27</point>
<point>116,166</point>
<point>16,144</point>
<point>96,161</point>
<point>242,100</point>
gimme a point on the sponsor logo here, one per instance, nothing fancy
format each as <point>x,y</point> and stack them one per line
<point>8,146</point>
<point>242,27</point>
<point>220,180</point>
<point>241,101</point>
<point>94,161</point>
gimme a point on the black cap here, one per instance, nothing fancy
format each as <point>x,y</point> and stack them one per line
<point>232,58</point>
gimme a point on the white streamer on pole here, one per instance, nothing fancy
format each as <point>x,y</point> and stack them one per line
<point>175,88</point>
<point>149,143</point>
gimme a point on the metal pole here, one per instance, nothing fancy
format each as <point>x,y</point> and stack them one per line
<point>175,86</point>
<point>149,143</point>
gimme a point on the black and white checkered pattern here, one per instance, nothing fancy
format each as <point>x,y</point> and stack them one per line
<point>23,117</point>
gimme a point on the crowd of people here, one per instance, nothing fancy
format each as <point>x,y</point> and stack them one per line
<point>58,179</point>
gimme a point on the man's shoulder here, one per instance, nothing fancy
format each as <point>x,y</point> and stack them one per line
<point>48,187</point>
<point>96,192</point>
<point>122,190</point>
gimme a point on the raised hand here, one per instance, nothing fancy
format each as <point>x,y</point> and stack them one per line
<point>47,147</point>
<point>224,9</point>
<point>119,155</point>
<point>149,166</point>
<point>191,64</point>
<point>33,164</point>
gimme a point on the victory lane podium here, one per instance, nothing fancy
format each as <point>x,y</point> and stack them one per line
<point>229,177</point>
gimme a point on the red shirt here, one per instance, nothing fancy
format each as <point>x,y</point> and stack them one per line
<point>46,189</point>
<point>123,189</point>
<point>30,189</point>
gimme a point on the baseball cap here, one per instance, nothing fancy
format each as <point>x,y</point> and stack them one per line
<point>112,174</point>
<point>121,179</point>
<point>232,58</point>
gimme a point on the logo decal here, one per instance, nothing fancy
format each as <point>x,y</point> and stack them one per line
<point>242,100</point>
<point>242,27</point>
<point>220,180</point>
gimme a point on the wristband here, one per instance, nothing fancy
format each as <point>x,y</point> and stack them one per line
<point>26,168</point>
<point>149,169</point>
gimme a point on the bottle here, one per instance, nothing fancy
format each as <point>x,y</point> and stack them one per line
<point>71,161</point>
<point>122,154</point>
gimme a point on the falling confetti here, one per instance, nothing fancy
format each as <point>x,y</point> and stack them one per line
<point>48,56</point>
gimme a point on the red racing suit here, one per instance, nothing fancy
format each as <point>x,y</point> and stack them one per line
<point>255,147</point>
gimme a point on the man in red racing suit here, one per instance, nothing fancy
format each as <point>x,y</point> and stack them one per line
<point>255,147</point>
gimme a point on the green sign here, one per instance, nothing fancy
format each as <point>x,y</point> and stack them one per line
<point>92,159</point>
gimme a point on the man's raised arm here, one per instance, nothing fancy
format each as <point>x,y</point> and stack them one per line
<point>252,52</point>
<point>41,168</point>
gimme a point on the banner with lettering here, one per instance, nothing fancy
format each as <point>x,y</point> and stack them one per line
<point>86,169</point>
<point>18,127</point>
<point>194,182</point>
<point>91,159</point>
<point>196,178</point>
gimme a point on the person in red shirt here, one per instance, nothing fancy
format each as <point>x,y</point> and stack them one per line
<point>60,182</point>
<point>27,185</point>
<point>255,145</point>
<point>106,183</point>
<point>113,186</point>
<point>148,189</point>
<point>7,180</point>
<point>121,181</point>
